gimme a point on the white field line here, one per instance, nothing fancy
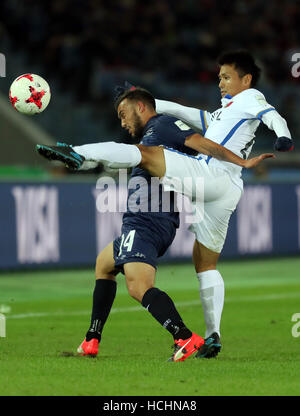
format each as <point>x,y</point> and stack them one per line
<point>258,298</point>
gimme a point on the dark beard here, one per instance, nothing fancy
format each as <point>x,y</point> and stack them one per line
<point>137,127</point>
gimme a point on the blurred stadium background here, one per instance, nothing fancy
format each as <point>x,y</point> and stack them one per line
<point>83,49</point>
<point>49,218</point>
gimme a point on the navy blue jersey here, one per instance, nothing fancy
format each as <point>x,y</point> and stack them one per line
<point>147,202</point>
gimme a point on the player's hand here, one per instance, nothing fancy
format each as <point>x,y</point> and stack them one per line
<point>254,161</point>
<point>284,144</point>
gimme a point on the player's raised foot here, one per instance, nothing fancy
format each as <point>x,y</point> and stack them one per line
<point>62,152</point>
<point>89,348</point>
<point>210,348</point>
<point>183,348</point>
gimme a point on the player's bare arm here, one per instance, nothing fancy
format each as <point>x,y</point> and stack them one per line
<point>210,148</point>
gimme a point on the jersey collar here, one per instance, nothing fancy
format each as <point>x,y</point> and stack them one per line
<point>226,100</point>
<point>149,123</point>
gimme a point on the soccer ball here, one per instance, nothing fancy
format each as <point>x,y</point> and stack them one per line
<point>29,94</point>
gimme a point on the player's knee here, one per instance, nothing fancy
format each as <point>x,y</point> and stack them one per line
<point>202,265</point>
<point>205,268</point>
<point>132,286</point>
<point>134,291</point>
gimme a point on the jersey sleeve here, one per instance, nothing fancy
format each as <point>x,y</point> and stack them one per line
<point>173,132</point>
<point>255,105</point>
<point>199,119</point>
<point>275,122</point>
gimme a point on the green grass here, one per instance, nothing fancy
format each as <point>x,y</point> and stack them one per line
<point>50,313</point>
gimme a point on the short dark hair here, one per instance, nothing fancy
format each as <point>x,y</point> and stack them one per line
<point>243,62</point>
<point>136,94</point>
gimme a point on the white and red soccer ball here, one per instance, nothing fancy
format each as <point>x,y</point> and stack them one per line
<point>29,94</point>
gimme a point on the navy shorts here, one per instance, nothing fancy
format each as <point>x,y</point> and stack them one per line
<point>140,244</point>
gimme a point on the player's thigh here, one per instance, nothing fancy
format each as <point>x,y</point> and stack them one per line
<point>194,178</point>
<point>105,263</point>
<point>139,278</point>
<point>153,160</point>
<point>185,174</point>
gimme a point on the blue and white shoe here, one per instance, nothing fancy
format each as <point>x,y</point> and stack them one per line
<point>62,152</point>
<point>210,348</point>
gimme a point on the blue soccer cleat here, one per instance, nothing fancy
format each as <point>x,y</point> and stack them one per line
<point>62,152</point>
<point>210,348</point>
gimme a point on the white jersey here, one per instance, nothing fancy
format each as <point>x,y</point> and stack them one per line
<point>233,126</point>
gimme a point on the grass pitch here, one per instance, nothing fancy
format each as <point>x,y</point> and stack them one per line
<point>50,313</point>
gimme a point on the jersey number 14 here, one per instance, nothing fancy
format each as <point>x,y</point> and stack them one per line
<point>126,243</point>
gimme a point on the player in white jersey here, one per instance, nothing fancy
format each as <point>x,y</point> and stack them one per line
<point>233,126</point>
<point>223,151</point>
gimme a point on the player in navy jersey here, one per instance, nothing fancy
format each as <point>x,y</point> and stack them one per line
<point>159,130</point>
<point>145,235</point>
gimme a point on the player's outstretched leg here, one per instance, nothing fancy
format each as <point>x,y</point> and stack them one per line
<point>110,154</point>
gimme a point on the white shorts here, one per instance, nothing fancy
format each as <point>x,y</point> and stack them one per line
<point>214,203</point>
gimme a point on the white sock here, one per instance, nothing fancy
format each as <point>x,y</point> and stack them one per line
<point>87,164</point>
<point>111,154</point>
<point>212,292</point>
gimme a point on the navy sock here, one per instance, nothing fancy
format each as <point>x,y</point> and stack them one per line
<point>162,308</point>
<point>103,298</point>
